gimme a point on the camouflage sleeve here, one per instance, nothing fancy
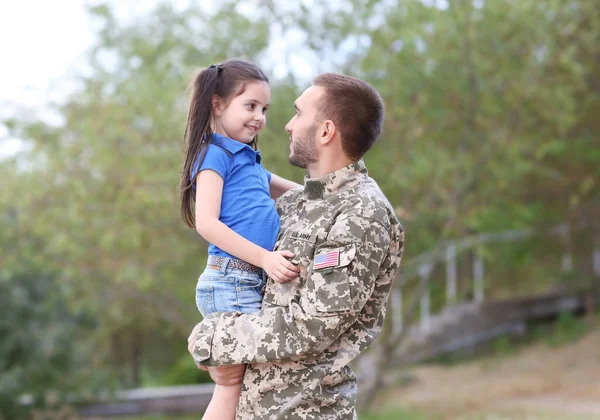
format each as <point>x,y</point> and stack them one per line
<point>327,305</point>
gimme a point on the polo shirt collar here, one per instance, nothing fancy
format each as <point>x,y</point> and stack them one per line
<point>233,146</point>
<point>228,144</point>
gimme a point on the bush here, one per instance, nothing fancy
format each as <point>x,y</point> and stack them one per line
<point>185,372</point>
<point>43,366</point>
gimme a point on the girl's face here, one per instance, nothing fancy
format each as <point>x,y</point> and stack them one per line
<point>244,115</point>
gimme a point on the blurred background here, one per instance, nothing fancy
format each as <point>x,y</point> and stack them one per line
<point>490,155</point>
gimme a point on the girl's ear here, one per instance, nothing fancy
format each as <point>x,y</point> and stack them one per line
<point>217,105</point>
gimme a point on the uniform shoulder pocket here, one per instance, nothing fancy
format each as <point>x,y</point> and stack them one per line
<point>330,283</point>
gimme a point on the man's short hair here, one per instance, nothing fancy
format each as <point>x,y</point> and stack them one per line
<point>356,109</point>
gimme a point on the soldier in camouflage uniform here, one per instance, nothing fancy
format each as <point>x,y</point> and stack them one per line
<point>347,244</point>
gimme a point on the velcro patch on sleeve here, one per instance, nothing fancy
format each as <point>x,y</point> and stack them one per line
<point>327,259</point>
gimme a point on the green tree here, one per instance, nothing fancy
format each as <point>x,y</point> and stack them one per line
<point>43,358</point>
<point>490,125</point>
<point>102,189</point>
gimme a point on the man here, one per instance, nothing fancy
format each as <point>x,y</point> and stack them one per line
<point>347,244</point>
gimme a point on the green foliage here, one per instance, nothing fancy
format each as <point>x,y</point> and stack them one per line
<point>185,371</point>
<point>398,414</point>
<point>107,180</point>
<point>503,346</point>
<point>491,122</point>
<point>45,360</point>
<point>567,329</point>
<point>159,417</point>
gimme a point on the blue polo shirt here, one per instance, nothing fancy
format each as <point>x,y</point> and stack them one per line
<point>246,204</point>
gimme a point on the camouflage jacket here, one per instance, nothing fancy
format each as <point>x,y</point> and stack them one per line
<point>348,244</point>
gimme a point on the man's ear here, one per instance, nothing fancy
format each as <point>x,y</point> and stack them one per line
<point>217,105</point>
<point>328,131</point>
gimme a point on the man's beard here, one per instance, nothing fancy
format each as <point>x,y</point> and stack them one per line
<point>305,151</point>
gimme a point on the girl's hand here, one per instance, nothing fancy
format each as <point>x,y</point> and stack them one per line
<point>278,267</point>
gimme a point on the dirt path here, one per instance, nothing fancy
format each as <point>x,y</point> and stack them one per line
<point>535,382</point>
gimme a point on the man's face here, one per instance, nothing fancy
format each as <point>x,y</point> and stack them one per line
<point>303,128</point>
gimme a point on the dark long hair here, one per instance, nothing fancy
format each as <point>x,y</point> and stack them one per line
<point>226,80</point>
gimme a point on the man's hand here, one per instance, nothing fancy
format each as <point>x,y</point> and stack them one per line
<point>278,267</point>
<point>227,375</point>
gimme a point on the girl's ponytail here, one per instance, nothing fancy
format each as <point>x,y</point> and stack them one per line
<point>197,135</point>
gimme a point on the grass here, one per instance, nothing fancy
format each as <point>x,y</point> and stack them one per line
<point>566,329</point>
<point>385,415</point>
<point>411,415</point>
<point>397,414</point>
<point>158,417</point>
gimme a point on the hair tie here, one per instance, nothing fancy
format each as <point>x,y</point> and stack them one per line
<point>216,66</point>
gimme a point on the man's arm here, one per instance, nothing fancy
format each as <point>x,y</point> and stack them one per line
<point>331,302</point>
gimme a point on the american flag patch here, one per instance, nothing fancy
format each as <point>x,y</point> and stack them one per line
<point>327,259</point>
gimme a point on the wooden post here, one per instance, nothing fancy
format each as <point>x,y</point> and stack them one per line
<point>425,303</point>
<point>596,260</point>
<point>566,263</point>
<point>477,276</point>
<point>398,322</point>
<point>595,286</point>
<point>451,274</point>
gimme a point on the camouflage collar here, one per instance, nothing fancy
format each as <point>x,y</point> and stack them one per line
<point>324,186</point>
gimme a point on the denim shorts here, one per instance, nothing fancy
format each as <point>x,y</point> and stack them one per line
<point>229,290</point>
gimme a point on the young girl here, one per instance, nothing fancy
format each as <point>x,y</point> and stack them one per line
<point>226,194</point>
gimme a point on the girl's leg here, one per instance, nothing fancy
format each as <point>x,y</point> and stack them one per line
<point>245,296</point>
<point>224,403</point>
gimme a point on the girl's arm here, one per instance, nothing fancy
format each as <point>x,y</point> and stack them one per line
<point>279,185</point>
<point>209,191</point>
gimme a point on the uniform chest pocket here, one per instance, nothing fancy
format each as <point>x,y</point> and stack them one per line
<point>330,283</point>
<point>303,246</point>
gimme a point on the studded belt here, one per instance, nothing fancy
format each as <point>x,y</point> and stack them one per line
<point>233,263</point>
